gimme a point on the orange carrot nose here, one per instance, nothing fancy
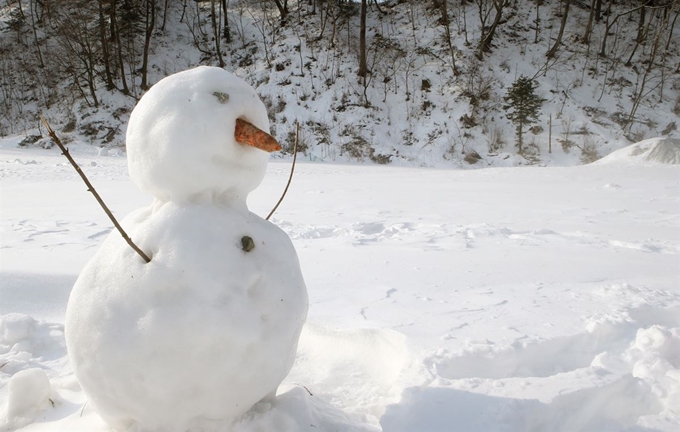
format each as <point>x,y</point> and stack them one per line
<point>248,134</point>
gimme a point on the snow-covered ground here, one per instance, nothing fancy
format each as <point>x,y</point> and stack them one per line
<point>503,299</point>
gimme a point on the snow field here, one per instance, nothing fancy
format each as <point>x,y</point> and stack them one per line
<point>493,300</point>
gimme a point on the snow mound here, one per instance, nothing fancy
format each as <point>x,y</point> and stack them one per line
<point>23,339</point>
<point>29,393</point>
<point>298,410</point>
<point>27,346</point>
<point>660,150</point>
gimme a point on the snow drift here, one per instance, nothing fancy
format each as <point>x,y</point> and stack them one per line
<point>663,150</point>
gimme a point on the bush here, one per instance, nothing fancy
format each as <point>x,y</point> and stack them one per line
<point>495,139</point>
<point>588,152</point>
<point>302,145</point>
<point>468,121</point>
<point>472,157</point>
<point>379,158</point>
<point>358,148</point>
<point>29,140</point>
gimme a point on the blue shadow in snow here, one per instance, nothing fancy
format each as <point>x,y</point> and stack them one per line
<point>614,407</point>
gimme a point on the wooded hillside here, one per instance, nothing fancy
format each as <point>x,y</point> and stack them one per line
<point>409,82</point>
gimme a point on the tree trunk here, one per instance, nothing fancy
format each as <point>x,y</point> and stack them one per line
<point>639,95</point>
<point>35,34</point>
<point>150,23</point>
<point>447,30</point>
<point>165,15</point>
<point>105,47</point>
<point>21,9</point>
<point>283,9</point>
<point>363,68</point>
<point>598,10</point>
<point>519,136</point>
<point>610,24</point>
<point>538,20</point>
<point>119,46</point>
<point>670,32</point>
<point>641,35</point>
<point>216,33</point>
<point>465,32</point>
<point>88,58</point>
<point>550,134</point>
<point>226,32</point>
<point>485,43</point>
<point>641,25</point>
<point>552,51</point>
<point>323,19</point>
<point>589,26</point>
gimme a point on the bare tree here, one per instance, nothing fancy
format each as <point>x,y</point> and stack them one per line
<point>589,26</point>
<point>216,32</point>
<point>598,10</point>
<point>609,24</point>
<point>552,51</point>
<point>79,51</point>
<point>642,89</point>
<point>676,6</point>
<point>150,22</point>
<point>537,21</point>
<point>33,4</point>
<point>104,41</point>
<point>488,34</point>
<point>261,25</point>
<point>363,67</point>
<point>447,31</point>
<point>641,34</point>
<point>282,6</point>
<point>115,36</point>
<point>226,32</point>
<point>165,14</point>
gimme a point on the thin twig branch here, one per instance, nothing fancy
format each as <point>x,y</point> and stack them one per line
<point>91,188</point>
<point>290,178</point>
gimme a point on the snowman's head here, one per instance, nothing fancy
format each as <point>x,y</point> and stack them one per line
<point>181,140</point>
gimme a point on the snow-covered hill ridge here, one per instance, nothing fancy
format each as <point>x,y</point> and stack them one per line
<point>412,109</point>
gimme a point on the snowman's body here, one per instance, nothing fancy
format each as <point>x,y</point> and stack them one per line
<point>194,338</point>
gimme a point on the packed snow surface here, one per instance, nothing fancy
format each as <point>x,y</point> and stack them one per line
<point>514,299</point>
<point>209,327</point>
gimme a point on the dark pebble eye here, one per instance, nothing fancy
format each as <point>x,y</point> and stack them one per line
<point>221,97</point>
<point>247,243</point>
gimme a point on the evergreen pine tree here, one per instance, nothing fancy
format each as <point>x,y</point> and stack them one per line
<point>522,105</point>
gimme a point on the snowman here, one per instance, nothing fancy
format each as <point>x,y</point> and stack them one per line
<point>194,338</point>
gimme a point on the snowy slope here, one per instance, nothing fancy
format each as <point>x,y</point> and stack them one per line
<point>504,299</point>
<point>416,106</point>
